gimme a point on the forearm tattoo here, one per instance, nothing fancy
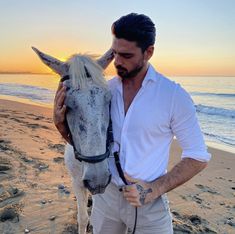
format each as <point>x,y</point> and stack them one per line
<point>143,193</point>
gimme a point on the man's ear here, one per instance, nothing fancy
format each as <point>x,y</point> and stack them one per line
<point>148,53</point>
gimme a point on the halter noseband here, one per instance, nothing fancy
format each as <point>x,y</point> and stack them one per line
<point>91,159</point>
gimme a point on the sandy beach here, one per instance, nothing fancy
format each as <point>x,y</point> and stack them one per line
<point>36,194</point>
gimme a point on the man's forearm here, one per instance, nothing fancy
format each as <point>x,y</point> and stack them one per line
<point>180,173</point>
<point>138,192</point>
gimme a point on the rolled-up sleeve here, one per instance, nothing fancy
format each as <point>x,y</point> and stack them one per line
<point>185,127</point>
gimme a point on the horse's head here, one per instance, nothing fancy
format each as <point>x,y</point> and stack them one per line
<point>87,101</point>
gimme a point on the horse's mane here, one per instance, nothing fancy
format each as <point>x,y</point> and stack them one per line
<point>83,69</point>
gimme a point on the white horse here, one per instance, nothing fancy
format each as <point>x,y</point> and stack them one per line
<point>87,100</point>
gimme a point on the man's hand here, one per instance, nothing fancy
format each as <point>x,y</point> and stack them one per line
<point>138,192</point>
<point>59,107</point>
<point>59,112</point>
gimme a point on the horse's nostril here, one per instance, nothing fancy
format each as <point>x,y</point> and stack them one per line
<point>86,183</point>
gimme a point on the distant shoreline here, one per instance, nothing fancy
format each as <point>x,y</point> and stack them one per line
<point>29,73</point>
<point>33,73</point>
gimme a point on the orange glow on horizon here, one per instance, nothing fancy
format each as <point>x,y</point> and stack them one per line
<point>164,63</point>
<point>164,68</point>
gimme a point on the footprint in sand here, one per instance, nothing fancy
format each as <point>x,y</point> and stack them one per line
<point>11,195</point>
<point>36,126</point>
<point>27,124</point>
<point>57,147</point>
<point>4,145</point>
<point>9,214</point>
<point>5,167</point>
<point>206,189</point>
<point>38,118</point>
<point>58,159</point>
<point>190,224</point>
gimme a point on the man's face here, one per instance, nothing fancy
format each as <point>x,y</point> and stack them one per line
<point>128,58</point>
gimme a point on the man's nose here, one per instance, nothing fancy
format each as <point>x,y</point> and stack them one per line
<point>117,60</point>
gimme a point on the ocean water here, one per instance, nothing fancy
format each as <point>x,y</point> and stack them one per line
<point>214,99</point>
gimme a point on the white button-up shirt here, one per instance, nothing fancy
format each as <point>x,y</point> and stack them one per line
<point>160,110</point>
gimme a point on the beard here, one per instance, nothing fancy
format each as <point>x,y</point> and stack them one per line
<point>125,74</point>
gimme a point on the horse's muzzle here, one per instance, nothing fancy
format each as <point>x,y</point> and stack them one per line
<point>97,189</point>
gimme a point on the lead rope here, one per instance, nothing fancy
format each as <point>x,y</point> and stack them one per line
<point>118,164</point>
<point>121,174</point>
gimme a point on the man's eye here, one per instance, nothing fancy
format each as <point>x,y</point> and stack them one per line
<point>127,56</point>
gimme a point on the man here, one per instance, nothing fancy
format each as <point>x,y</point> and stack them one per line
<point>147,111</point>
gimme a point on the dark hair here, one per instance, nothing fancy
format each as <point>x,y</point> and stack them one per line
<point>135,27</point>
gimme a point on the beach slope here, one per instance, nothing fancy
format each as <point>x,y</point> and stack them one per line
<point>36,193</point>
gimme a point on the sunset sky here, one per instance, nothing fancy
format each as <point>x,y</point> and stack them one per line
<point>194,37</point>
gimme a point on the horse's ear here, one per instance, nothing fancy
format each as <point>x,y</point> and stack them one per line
<point>56,65</point>
<point>106,59</point>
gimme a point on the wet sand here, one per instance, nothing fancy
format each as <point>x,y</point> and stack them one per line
<point>36,193</point>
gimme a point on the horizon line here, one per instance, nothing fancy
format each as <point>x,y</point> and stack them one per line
<point>40,73</point>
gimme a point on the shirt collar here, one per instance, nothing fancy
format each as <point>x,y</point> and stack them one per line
<point>151,75</point>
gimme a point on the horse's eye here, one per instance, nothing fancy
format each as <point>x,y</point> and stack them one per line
<point>64,78</point>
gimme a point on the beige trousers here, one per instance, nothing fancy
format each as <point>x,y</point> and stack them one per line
<point>112,214</point>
